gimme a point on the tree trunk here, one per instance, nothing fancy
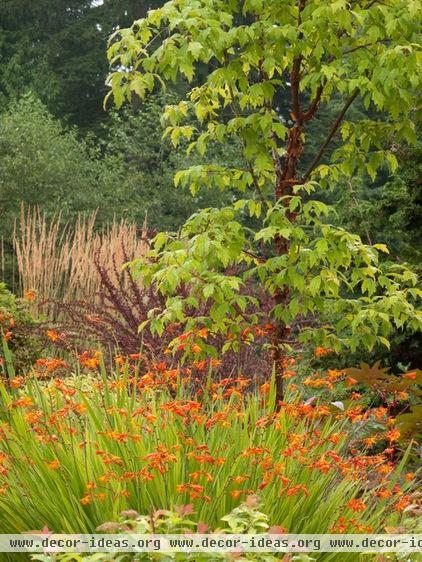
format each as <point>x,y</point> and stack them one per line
<point>286,179</point>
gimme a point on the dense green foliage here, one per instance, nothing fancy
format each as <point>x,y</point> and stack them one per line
<point>389,211</point>
<point>44,164</point>
<point>66,40</point>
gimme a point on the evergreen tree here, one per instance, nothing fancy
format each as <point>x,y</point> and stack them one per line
<point>55,48</point>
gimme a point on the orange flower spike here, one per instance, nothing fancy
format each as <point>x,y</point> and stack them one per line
<point>195,348</point>
<point>16,382</point>
<point>380,412</point>
<point>335,438</point>
<point>370,441</point>
<point>294,490</point>
<point>340,527</point>
<point>264,389</point>
<point>53,465</point>
<point>24,402</point>
<point>393,435</point>
<point>322,465</point>
<point>201,365</point>
<point>30,295</point>
<point>203,333</point>
<point>356,505</point>
<point>321,351</point>
<point>215,362</point>
<point>240,479</point>
<point>404,502</point>
<point>119,360</point>
<point>334,374</point>
<point>90,360</point>
<point>285,481</point>
<point>411,376</point>
<point>85,500</point>
<point>383,493</point>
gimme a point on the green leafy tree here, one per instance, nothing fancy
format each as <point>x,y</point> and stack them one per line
<point>318,51</point>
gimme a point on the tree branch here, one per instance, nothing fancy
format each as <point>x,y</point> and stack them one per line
<point>315,104</point>
<point>331,134</point>
<point>295,74</point>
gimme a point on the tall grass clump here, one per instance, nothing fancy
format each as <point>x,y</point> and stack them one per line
<point>56,260</point>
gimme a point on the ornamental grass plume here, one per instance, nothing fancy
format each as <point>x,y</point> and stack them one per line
<point>55,260</point>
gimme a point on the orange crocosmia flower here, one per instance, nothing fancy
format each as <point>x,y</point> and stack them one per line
<point>393,434</point>
<point>383,493</point>
<point>410,476</point>
<point>356,505</point>
<point>334,456</point>
<point>403,395</point>
<point>52,335</point>
<point>24,402</point>
<point>340,527</point>
<point>33,417</point>
<point>350,381</point>
<point>411,376</point>
<point>90,360</point>
<point>296,489</point>
<point>185,336</point>
<point>236,493</point>
<point>241,479</point>
<point>264,388</point>
<point>16,382</point>
<point>252,451</point>
<point>53,465</point>
<point>380,412</point>
<point>321,351</point>
<point>215,362</point>
<point>119,360</point>
<point>200,365</point>
<point>203,333</point>
<point>195,348</point>
<point>30,295</point>
<point>403,502</point>
<point>334,374</point>
<point>335,438</point>
<point>85,500</point>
